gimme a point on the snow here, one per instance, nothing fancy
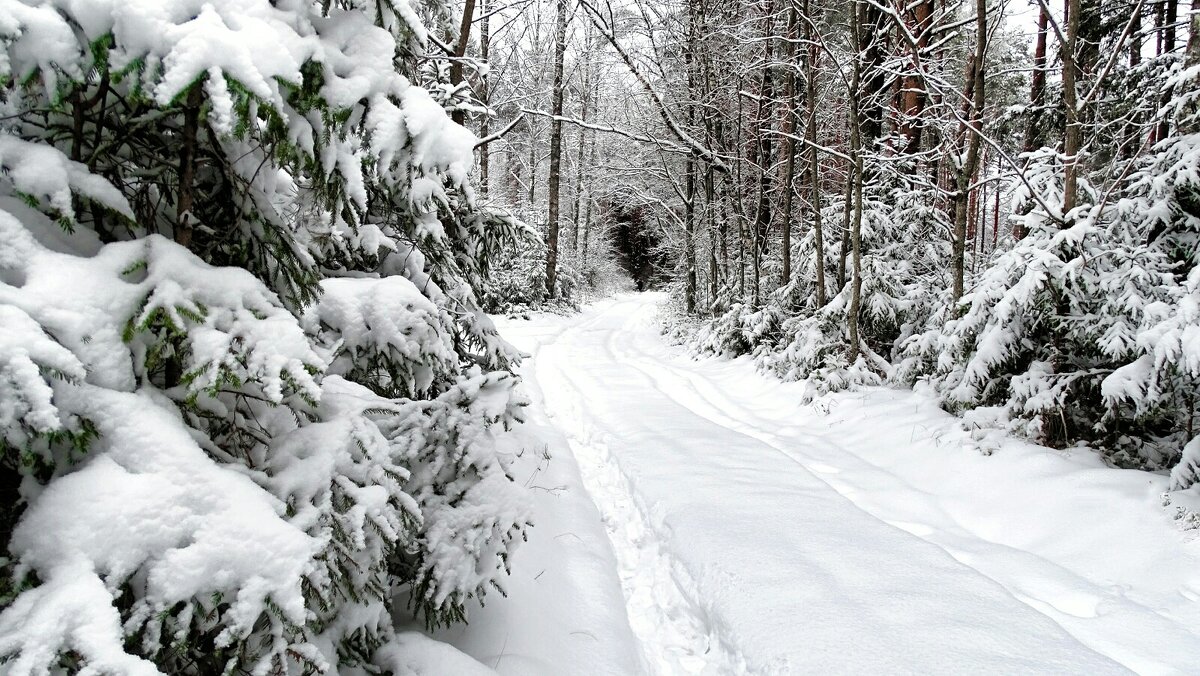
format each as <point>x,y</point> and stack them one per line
<point>862,532</point>
<point>25,350</point>
<point>77,610</point>
<point>437,142</point>
<point>390,317</point>
<point>153,502</point>
<point>414,654</point>
<point>45,172</point>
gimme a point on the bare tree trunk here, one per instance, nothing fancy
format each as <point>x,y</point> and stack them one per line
<point>532,125</point>
<point>710,216</point>
<point>814,178</point>
<point>742,236</point>
<point>585,96</point>
<point>1072,138</point>
<point>1135,39</point>
<point>533,162</point>
<point>591,197</point>
<point>587,229</point>
<point>587,208</point>
<point>1193,43</point>
<point>560,48</point>
<point>1166,13</point>
<point>578,201</point>
<point>1037,85</point>
<point>460,51</point>
<point>856,248</point>
<point>1192,57</point>
<point>996,210</point>
<point>914,93</point>
<point>1169,21</point>
<point>847,214</point>
<point>852,350</point>
<point>766,93</point>
<point>724,227</point>
<point>974,117</point>
<point>787,147</point>
<point>689,234</point>
<point>485,46</point>
<point>734,194</point>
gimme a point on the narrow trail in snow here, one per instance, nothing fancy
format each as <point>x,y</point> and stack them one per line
<point>748,543</point>
<point>676,634</point>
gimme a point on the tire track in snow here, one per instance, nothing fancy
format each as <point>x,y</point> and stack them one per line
<point>1049,595</point>
<point>677,634</point>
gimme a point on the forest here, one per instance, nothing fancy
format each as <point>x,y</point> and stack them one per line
<point>302,302</point>
<point>997,200</point>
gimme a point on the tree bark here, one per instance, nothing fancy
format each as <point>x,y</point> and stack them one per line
<point>787,147</point>
<point>184,218</point>
<point>560,49</point>
<point>1193,44</point>
<point>1072,138</point>
<point>1135,39</point>
<point>460,51</point>
<point>713,235</point>
<point>766,93</point>
<point>1037,85</point>
<point>856,133</point>
<point>913,93</point>
<point>847,215</point>
<point>585,96</point>
<point>1192,57</point>
<point>485,47</point>
<point>587,208</point>
<point>814,178</point>
<point>689,234</point>
<point>966,173</point>
<point>1166,14</point>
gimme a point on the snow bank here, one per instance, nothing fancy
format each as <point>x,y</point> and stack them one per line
<point>564,611</point>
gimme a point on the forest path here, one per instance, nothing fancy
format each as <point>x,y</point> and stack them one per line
<point>750,541</point>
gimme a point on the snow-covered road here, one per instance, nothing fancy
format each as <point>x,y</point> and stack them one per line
<point>863,533</point>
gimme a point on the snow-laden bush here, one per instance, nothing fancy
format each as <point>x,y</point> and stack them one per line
<point>793,338</point>
<point>815,352</point>
<point>1086,331</point>
<point>247,394</point>
<point>520,284</point>
<point>739,330</point>
<point>1156,295</point>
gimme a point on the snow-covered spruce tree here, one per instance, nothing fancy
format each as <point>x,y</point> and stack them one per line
<point>901,250</point>
<point>1085,330</point>
<point>1152,397</point>
<point>247,395</point>
<point>1011,323</point>
<point>588,267</point>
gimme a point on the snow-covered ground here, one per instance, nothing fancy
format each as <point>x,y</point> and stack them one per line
<point>692,517</point>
